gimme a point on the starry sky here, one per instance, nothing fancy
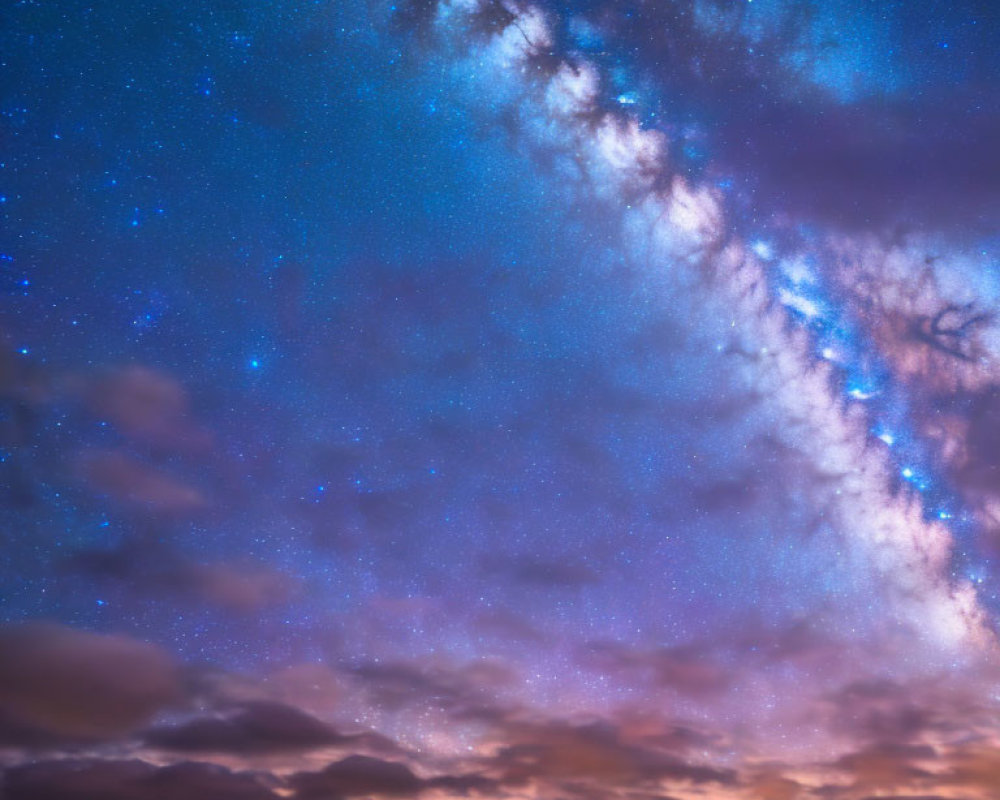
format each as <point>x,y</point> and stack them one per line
<point>500,400</point>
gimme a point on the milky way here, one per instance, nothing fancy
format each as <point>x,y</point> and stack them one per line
<point>484,399</point>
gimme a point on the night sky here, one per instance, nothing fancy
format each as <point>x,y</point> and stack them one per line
<point>499,400</point>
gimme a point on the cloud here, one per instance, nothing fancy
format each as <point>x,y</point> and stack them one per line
<point>590,756</point>
<point>241,588</point>
<point>886,765</point>
<point>537,572</point>
<point>358,775</point>
<point>463,692</point>
<point>910,740</point>
<point>907,797</point>
<point>147,565</point>
<point>771,785</point>
<point>880,710</point>
<point>811,160</point>
<point>139,486</point>
<point>94,779</point>
<point>257,727</point>
<point>149,407</point>
<point>974,764</point>
<point>77,684</point>
<point>145,469</point>
<point>691,670</point>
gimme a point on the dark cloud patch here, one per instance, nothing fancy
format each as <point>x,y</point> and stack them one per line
<point>508,627</point>
<point>880,710</point>
<point>147,565</point>
<point>690,669</point>
<point>71,683</point>
<point>358,775</point>
<point>886,764</point>
<point>978,471</point>
<point>489,18</point>
<point>92,779</point>
<point>670,737</point>
<point>737,494</point>
<point>464,785</point>
<point>255,728</point>
<point>15,732</point>
<point>872,165</point>
<point>76,779</point>
<point>24,388</point>
<point>593,755</point>
<point>805,643</point>
<point>388,513</point>
<point>189,779</point>
<point>537,572</point>
<point>465,692</point>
